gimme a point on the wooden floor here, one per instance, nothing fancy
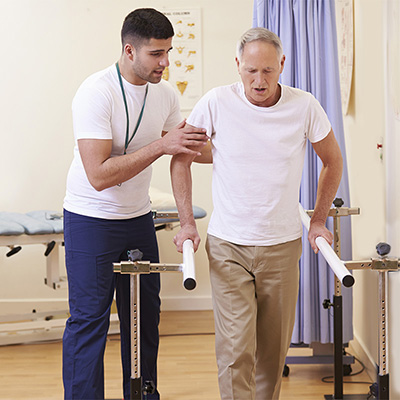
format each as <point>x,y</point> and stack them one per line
<point>186,365</point>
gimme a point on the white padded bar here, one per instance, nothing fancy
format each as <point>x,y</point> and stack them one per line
<point>330,256</point>
<point>188,268</point>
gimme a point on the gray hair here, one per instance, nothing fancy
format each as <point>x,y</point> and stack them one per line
<point>263,35</point>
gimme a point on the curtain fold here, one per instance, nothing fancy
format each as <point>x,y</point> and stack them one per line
<point>307,29</point>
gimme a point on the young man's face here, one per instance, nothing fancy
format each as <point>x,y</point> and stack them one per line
<point>260,69</point>
<point>150,60</point>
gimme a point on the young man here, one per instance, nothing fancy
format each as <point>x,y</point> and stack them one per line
<point>121,116</point>
<point>258,129</point>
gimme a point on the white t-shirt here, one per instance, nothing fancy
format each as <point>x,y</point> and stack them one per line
<point>98,112</point>
<point>258,156</point>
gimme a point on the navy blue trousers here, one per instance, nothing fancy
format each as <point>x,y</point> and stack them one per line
<point>91,246</point>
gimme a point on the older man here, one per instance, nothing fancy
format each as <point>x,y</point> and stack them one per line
<point>258,129</point>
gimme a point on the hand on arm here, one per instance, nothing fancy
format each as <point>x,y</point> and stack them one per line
<point>104,171</point>
<point>329,152</point>
<point>181,178</point>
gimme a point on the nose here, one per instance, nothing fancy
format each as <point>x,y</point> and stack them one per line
<point>164,62</point>
<point>259,79</point>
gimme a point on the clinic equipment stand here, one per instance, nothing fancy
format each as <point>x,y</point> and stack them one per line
<point>135,267</point>
<point>337,305</point>
<point>382,265</point>
<point>342,276</point>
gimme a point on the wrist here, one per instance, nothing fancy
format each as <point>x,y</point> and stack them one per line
<point>159,148</point>
<point>188,223</point>
<point>317,221</point>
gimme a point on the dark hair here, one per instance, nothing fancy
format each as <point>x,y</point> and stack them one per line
<point>144,24</point>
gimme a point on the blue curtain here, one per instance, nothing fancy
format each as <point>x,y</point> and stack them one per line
<point>307,29</point>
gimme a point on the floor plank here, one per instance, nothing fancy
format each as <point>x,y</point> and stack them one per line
<point>187,367</point>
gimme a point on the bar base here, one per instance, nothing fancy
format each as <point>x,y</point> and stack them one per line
<point>383,387</point>
<point>136,388</point>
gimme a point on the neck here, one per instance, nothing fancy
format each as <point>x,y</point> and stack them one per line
<point>127,72</point>
<point>269,102</point>
<point>277,95</point>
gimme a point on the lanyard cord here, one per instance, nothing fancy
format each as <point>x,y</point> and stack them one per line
<point>127,140</point>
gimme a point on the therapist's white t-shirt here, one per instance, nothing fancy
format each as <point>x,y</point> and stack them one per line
<point>99,113</point>
<point>258,156</point>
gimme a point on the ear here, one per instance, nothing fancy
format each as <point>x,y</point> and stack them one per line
<point>129,51</point>
<point>237,64</point>
<point>282,62</point>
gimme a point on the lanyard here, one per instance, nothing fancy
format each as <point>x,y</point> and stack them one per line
<point>127,140</point>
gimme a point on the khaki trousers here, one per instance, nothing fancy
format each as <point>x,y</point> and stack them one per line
<point>254,291</point>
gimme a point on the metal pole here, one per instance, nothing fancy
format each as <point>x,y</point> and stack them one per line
<point>135,267</point>
<point>383,376</point>
<point>136,379</point>
<point>337,318</point>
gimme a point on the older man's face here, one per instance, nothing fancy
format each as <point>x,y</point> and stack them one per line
<point>260,69</point>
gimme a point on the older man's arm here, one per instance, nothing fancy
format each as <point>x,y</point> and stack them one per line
<point>181,178</point>
<point>329,152</point>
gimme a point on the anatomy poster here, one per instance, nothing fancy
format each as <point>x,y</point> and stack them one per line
<point>344,24</point>
<point>185,70</point>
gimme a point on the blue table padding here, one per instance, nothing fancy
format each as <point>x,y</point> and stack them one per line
<point>44,222</point>
<point>26,224</point>
<point>8,228</point>
<point>52,218</point>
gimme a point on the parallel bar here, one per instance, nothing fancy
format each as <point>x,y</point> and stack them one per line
<point>145,267</point>
<point>338,316</point>
<point>339,212</point>
<point>189,277</point>
<point>338,346</point>
<point>331,258</point>
<point>382,323</point>
<point>135,269</point>
<point>165,215</point>
<point>135,323</point>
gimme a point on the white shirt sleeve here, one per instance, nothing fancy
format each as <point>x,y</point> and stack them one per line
<point>317,124</point>
<point>91,114</point>
<point>203,113</point>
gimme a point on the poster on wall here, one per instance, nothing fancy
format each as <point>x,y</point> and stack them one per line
<point>185,70</point>
<point>344,26</point>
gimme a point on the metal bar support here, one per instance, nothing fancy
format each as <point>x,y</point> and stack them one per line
<point>135,268</point>
<point>383,375</point>
<point>136,379</point>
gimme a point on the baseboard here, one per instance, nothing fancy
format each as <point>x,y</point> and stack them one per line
<point>356,347</point>
<point>41,330</point>
<point>11,309</point>
<point>24,308</point>
<point>186,303</point>
<point>41,320</point>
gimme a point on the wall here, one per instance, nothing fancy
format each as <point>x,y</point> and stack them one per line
<point>392,108</point>
<point>47,49</point>
<point>365,127</point>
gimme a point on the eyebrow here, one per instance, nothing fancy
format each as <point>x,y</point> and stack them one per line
<point>159,50</point>
<point>266,68</point>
